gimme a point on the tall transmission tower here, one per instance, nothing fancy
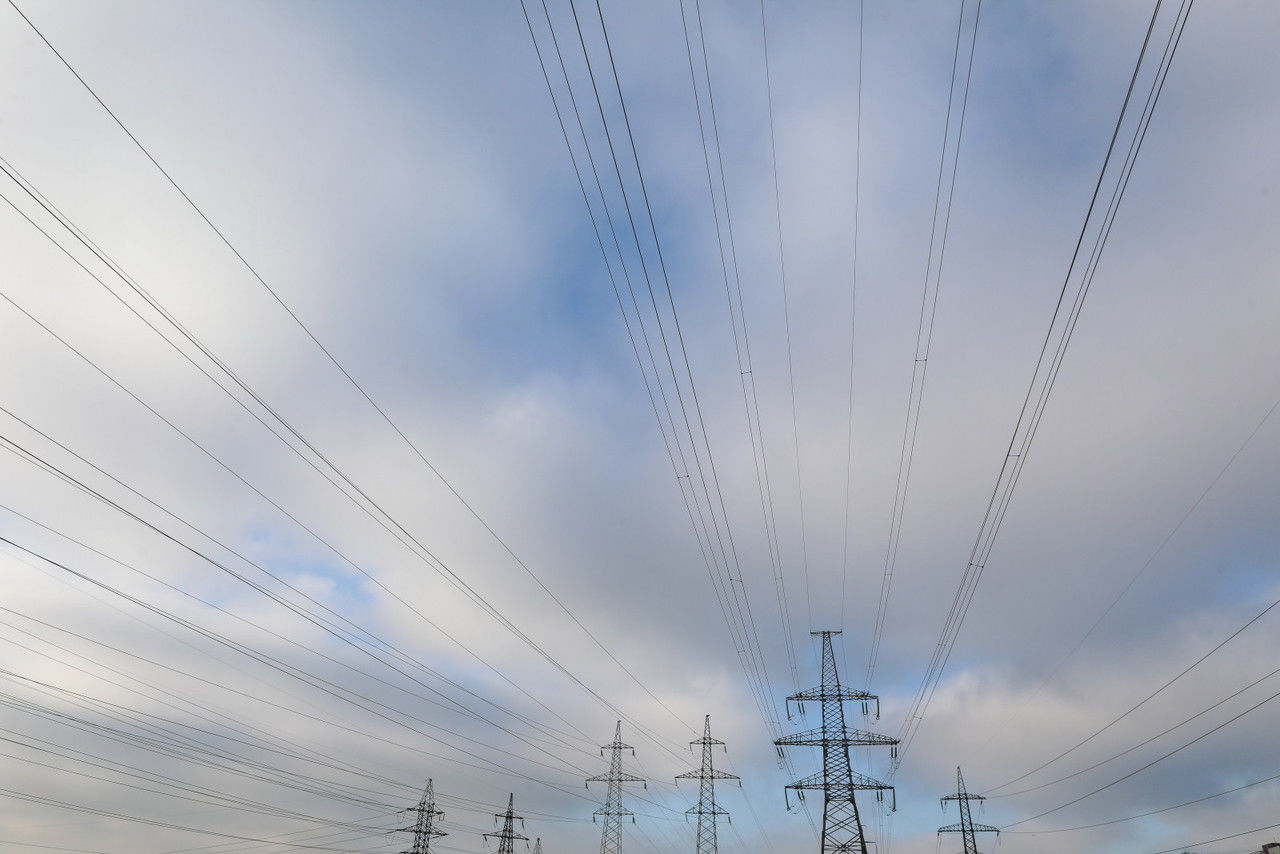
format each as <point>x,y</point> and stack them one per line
<point>424,826</point>
<point>537,845</point>
<point>613,811</point>
<point>966,828</point>
<point>707,809</point>
<point>507,836</point>
<point>841,826</point>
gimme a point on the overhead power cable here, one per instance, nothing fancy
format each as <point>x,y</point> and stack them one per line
<point>853,314</point>
<point>940,228</point>
<point>103,813</point>
<point>719,573</point>
<point>1165,686</point>
<point>1062,326</point>
<point>1217,705</point>
<point>316,459</point>
<point>738,320</point>
<point>786,315</point>
<point>325,625</point>
<point>718,534</point>
<point>329,355</point>
<point>1149,813</point>
<point>1153,762</point>
<point>731,556</point>
<point>346,695</point>
<point>1132,581</point>
<point>1218,839</point>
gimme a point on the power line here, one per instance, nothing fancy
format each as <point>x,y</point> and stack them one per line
<point>1153,812</point>
<point>853,313</point>
<point>351,490</point>
<point>1046,370</point>
<point>324,624</point>
<point>722,586</point>
<point>1195,505</point>
<point>741,344</point>
<point>343,370</point>
<point>786,315</point>
<point>1146,741</point>
<point>1155,761</point>
<point>1219,839</point>
<point>940,228</point>
<point>1167,684</point>
<point>753,638</point>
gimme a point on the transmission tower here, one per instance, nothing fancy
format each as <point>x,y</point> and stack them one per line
<point>613,811</point>
<point>707,809</point>
<point>966,828</point>
<point>841,826</point>
<point>537,845</point>
<point>507,836</point>
<point>424,826</point>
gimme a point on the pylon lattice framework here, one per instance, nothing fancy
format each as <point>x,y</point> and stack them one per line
<point>507,836</point>
<point>707,809</point>
<point>841,825</point>
<point>613,811</point>
<point>966,828</point>
<point>424,826</point>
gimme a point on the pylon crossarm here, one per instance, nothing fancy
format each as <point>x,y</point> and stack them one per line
<point>857,781</point>
<point>965,797</point>
<point>613,811</point>
<point>862,736</point>
<point>617,745</point>
<point>622,778</point>
<point>831,692</point>
<point>713,810</point>
<point>819,738</point>
<point>712,774</point>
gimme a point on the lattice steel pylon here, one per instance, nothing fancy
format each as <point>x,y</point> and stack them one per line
<point>424,826</point>
<point>613,811</point>
<point>841,826</point>
<point>966,828</point>
<point>507,836</point>
<point>707,809</point>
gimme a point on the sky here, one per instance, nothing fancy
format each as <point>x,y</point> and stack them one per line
<point>336,457</point>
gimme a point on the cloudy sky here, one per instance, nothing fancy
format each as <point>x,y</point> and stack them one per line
<point>363,465</point>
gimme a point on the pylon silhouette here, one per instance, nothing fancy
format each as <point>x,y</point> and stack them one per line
<point>841,825</point>
<point>613,811</point>
<point>966,828</point>
<point>707,809</point>
<point>507,836</point>
<point>424,826</point>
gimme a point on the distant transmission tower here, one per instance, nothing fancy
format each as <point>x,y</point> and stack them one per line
<point>707,809</point>
<point>966,828</point>
<point>424,826</point>
<point>507,836</point>
<point>613,811</point>
<point>841,826</point>
<point>537,845</point>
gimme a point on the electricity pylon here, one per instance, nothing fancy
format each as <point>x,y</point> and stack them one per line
<point>424,826</point>
<point>537,845</point>
<point>707,808</point>
<point>613,811</point>
<point>841,826</point>
<point>966,828</point>
<point>507,836</point>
